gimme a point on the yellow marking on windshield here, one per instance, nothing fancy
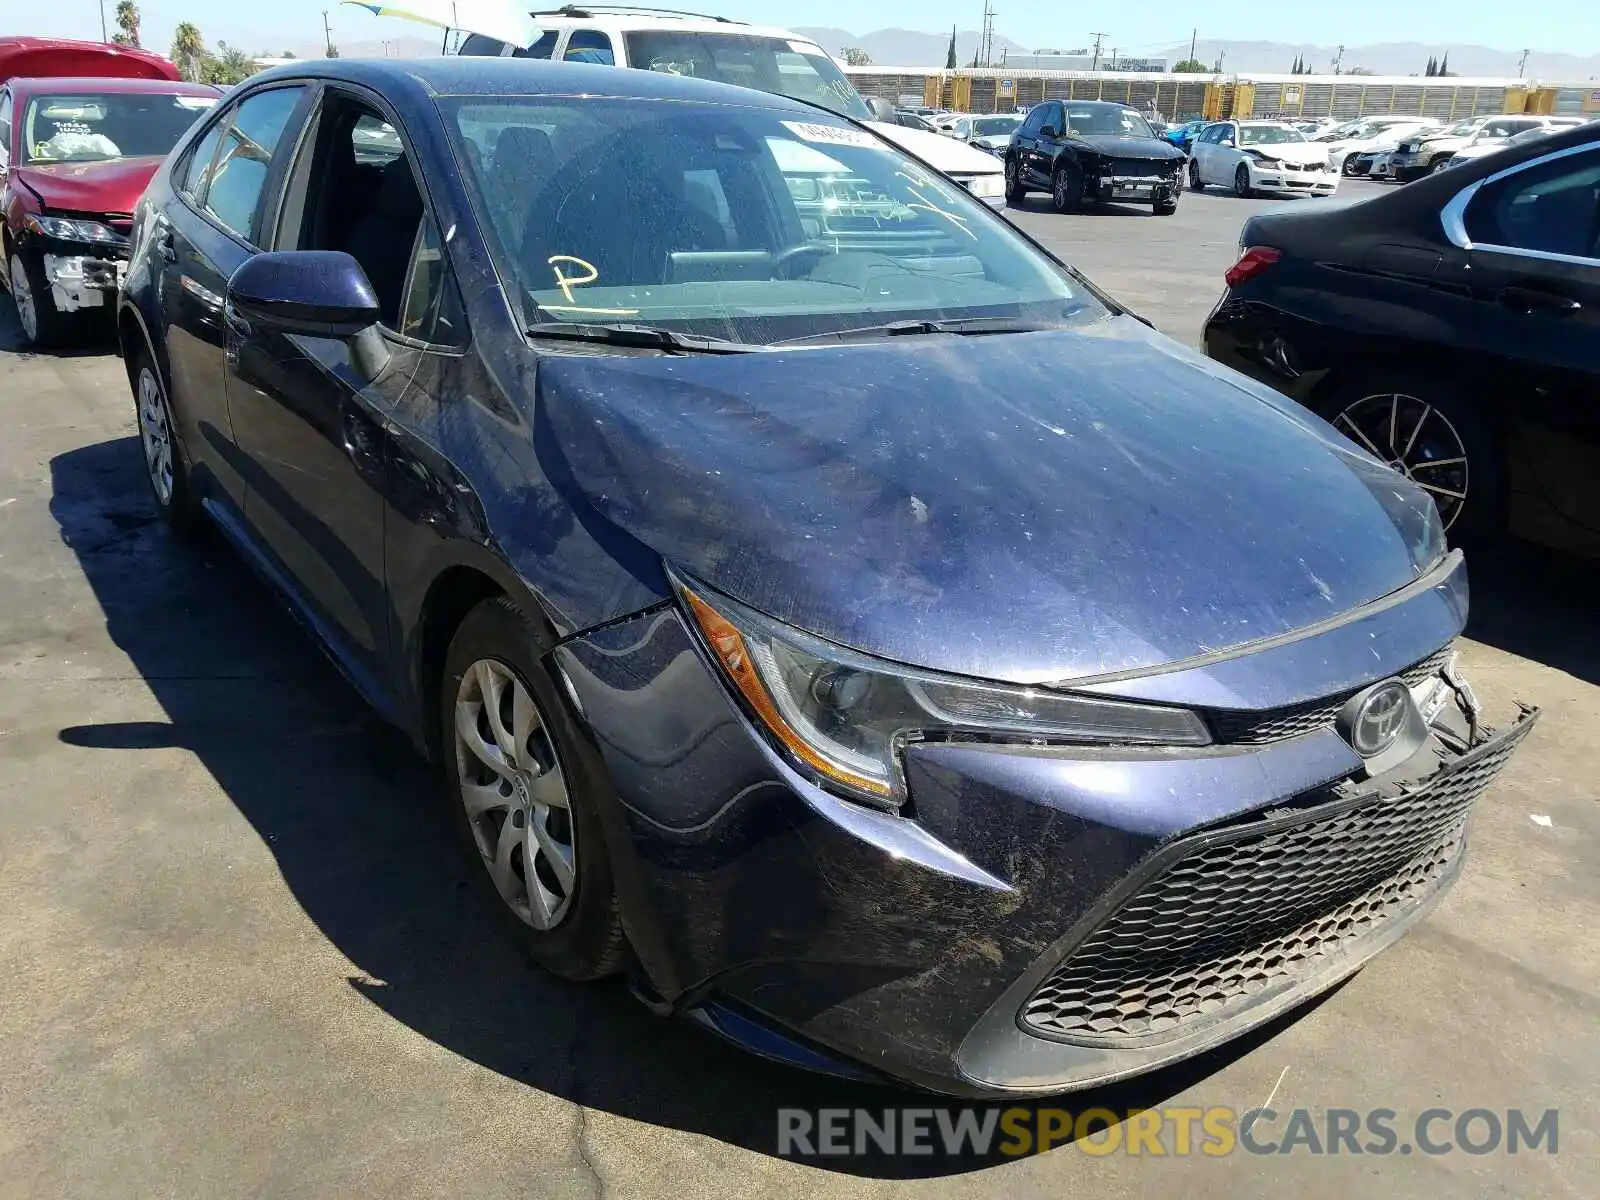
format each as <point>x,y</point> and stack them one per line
<point>567,282</point>
<point>604,312</point>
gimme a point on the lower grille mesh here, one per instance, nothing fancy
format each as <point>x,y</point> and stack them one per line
<point>1234,917</point>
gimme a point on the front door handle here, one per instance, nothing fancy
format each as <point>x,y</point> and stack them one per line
<point>1537,300</point>
<point>166,247</point>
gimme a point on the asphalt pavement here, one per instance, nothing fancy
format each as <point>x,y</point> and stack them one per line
<point>238,953</point>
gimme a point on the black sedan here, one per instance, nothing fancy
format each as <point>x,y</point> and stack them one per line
<point>820,601</point>
<point>1452,329</point>
<point>1086,151</point>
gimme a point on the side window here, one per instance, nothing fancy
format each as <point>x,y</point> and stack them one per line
<point>244,159</point>
<point>590,46</point>
<point>543,48</point>
<point>354,188</point>
<point>1034,122</point>
<point>5,128</point>
<point>481,46</point>
<point>192,175</point>
<point>432,310</point>
<point>1552,207</point>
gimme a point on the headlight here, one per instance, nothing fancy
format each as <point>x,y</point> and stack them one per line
<point>67,230</point>
<point>986,187</point>
<point>843,716</point>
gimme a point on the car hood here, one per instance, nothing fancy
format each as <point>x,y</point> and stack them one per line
<point>995,141</point>
<point>1114,146</point>
<point>1294,152</point>
<point>938,151</point>
<point>90,187</point>
<point>1026,507</point>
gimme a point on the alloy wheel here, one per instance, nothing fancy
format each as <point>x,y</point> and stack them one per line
<point>1194,175</point>
<point>515,794</point>
<point>1416,439</point>
<point>155,431</point>
<point>1241,181</point>
<point>1063,189</point>
<point>22,297</point>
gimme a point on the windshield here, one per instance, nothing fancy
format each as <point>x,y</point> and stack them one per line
<point>94,127</point>
<point>1268,135</point>
<point>994,126</point>
<point>1106,119</point>
<point>735,223</point>
<point>767,64</point>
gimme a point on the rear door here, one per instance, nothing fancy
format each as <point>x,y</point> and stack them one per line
<point>201,240</point>
<point>1533,234</point>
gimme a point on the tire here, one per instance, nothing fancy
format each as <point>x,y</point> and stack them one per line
<point>1165,208</point>
<point>163,451</point>
<point>1195,182</point>
<point>1066,189</point>
<point>1241,183</point>
<point>576,929</point>
<point>43,325</point>
<point>1440,163</point>
<point>1365,408</point>
<point>1015,192</point>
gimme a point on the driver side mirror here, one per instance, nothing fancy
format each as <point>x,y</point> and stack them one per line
<point>319,293</point>
<point>1050,131</point>
<point>882,111</point>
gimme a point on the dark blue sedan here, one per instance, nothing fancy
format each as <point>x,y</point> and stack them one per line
<point>822,602</point>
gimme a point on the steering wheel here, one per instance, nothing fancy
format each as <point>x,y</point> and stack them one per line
<point>783,262</point>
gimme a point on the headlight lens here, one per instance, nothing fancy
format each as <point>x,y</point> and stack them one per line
<point>844,716</point>
<point>66,229</point>
<point>986,187</point>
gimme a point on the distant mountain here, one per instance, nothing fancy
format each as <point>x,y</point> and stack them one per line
<point>400,47</point>
<point>907,47</point>
<point>910,48</point>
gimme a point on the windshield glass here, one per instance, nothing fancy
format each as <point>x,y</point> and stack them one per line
<point>1106,119</point>
<point>993,126</point>
<point>94,127</point>
<point>767,64</point>
<point>736,223</point>
<point>1268,135</point>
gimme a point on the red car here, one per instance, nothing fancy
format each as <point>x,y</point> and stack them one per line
<point>77,153</point>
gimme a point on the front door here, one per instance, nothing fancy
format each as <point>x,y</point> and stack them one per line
<point>1535,269</point>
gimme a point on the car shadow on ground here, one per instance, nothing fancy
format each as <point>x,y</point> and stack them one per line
<point>99,334</point>
<point>1538,604</point>
<point>355,821</point>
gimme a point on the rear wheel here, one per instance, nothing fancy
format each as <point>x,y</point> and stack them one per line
<point>1428,431</point>
<point>1195,181</point>
<point>1241,183</point>
<point>158,438</point>
<point>526,787</point>
<point>1066,189</point>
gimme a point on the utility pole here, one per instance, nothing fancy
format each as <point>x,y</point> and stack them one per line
<point>1338,62</point>
<point>985,56</point>
<point>104,36</point>
<point>1194,40</point>
<point>1099,40</point>
<point>327,31</point>
<point>1522,69</point>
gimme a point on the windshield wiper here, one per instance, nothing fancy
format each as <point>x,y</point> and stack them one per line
<point>643,336</point>
<point>967,326</point>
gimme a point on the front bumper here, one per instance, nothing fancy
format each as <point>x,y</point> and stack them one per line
<point>1290,181</point>
<point>1141,189</point>
<point>917,945</point>
<point>79,281</point>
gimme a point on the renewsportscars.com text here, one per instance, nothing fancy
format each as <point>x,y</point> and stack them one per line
<point>971,1132</point>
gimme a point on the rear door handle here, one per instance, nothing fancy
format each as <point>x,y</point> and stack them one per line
<point>1537,300</point>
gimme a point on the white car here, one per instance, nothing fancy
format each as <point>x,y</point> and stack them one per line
<point>956,125</point>
<point>1421,154</point>
<point>1260,156</point>
<point>753,56</point>
<point>1371,134</point>
<point>993,133</point>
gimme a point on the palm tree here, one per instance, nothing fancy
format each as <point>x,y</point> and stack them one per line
<point>188,51</point>
<point>127,24</point>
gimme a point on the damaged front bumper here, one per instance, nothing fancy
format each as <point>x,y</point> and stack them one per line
<point>79,281</point>
<point>1158,189</point>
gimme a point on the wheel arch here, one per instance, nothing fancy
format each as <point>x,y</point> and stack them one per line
<point>453,593</point>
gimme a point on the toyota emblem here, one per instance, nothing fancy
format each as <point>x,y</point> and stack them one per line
<point>1381,719</point>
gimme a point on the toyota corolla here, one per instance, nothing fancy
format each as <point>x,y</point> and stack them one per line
<point>824,604</point>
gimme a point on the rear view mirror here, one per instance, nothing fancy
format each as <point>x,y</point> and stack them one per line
<point>319,292</point>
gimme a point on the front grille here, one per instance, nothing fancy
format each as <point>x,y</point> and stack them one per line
<point>1276,724</point>
<point>1249,909</point>
<point>1140,168</point>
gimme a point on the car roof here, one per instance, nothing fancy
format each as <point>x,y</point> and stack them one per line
<point>473,76</point>
<point>110,84</point>
<point>622,19</point>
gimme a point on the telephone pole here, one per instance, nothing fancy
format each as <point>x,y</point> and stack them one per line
<point>1194,40</point>
<point>1522,68</point>
<point>1099,40</point>
<point>327,31</point>
<point>103,32</point>
<point>986,35</point>
<point>1338,62</point>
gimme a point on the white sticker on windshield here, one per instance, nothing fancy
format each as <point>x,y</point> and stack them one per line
<point>808,48</point>
<point>196,103</point>
<point>830,135</point>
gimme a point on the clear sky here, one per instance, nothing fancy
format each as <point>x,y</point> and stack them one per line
<point>1132,25</point>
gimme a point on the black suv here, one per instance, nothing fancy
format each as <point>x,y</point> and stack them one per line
<point>1083,151</point>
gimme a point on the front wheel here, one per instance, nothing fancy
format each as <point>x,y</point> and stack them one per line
<point>43,324</point>
<point>1195,181</point>
<point>526,787</point>
<point>1015,192</point>
<point>1241,183</point>
<point>1066,190</point>
<point>1442,163</point>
